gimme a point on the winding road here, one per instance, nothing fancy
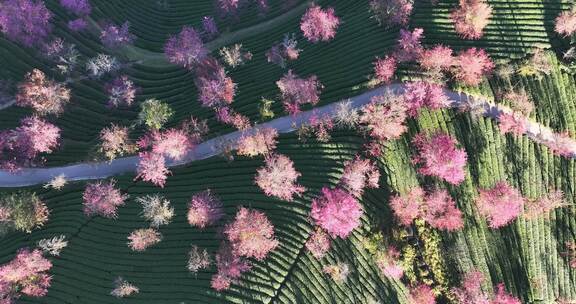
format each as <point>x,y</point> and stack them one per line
<point>286,124</point>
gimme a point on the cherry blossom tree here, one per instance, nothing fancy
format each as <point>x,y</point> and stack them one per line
<point>77,25</point>
<point>278,178</point>
<point>420,94</point>
<point>565,23</point>
<point>78,7</point>
<point>123,288</point>
<point>228,116</point>
<point>319,24</point>
<point>44,96</point>
<point>214,86</point>
<point>115,142</point>
<point>64,56</point>
<point>391,12</point>
<point>409,47</point>
<point>544,204</point>
<point>209,27</point>
<point>385,117</point>
<point>336,211</point>
<point>318,243</point>
<point>358,174</point>
<point>438,156</point>
<point>22,211</point>
<point>152,168</point>
<point>297,91</point>
<point>251,234</point>
<point>471,17</point>
<point>204,209</point>
<point>470,291</point>
<point>233,56</point>
<point>437,59</point>
<point>338,272</point>
<point>388,261</point>
<point>113,36</point>
<point>26,275</point>
<point>471,65</point>
<point>261,142</point>
<point>318,126</point>
<point>408,207</point>
<point>198,259</point>
<point>230,267</point>
<point>172,143</point>
<point>141,239</point>
<point>500,204</point>
<point>520,101</point>
<point>422,294</point>
<point>121,92</point>
<point>154,113</point>
<point>185,49</point>
<point>101,198</point>
<point>384,69</point>
<point>514,123</point>
<point>156,209</point>
<point>285,51</point>
<point>25,21</point>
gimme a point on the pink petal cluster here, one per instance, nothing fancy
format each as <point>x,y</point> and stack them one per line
<point>152,168</point>
<point>185,49</point>
<point>101,198</point>
<point>500,204</point>
<point>384,117</point>
<point>409,47</point>
<point>514,123</point>
<point>25,21</point>
<point>422,294</point>
<point>78,7</point>
<point>141,239</point>
<point>298,91</point>
<point>251,234</point>
<point>318,243</point>
<point>391,12</point>
<point>336,211</point>
<point>278,177</point>
<point>204,209</point>
<point>438,156</point>
<point>214,86</point>
<point>471,17</point>
<point>230,267</point>
<point>41,94</point>
<point>121,92</point>
<point>285,51</point>
<point>26,275</point>
<point>418,94</point>
<point>358,174</point>
<point>261,142</point>
<point>113,36</point>
<point>437,59</point>
<point>20,146</point>
<point>319,24</point>
<point>565,23</point>
<point>437,208</point>
<point>384,69</point>
<point>471,65</point>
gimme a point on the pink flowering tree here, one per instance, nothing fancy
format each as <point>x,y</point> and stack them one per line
<point>209,28</point>
<point>471,17</point>
<point>318,243</point>
<point>152,168</point>
<point>297,91</point>
<point>422,294</point>
<point>409,47</point>
<point>408,207</point>
<point>278,177</point>
<point>229,268</point>
<point>470,291</point>
<point>261,142</point>
<point>437,59</point>
<point>44,96</point>
<point>25,21</point>
<point>319,24</point>
<point>388,261</point>
<point>358,174</point>
<point>545,204</point>
<point>285,51</point>
<point>384,69</point>
<point>172,143</point>
<point>103,199</point>
<point>336,211</point>
<point>141,239</point>
<point>215,88</point>
<point>185,49</point>
<point>113,36</point>
<point>318,126</point>
<point>438,156</point>
<point>251,234</point>
<point>22,145</point>
<point>514,123</point>
<point>391,12</point>
<point>471,65</point>
<point>27,274</point>
<point>500,204</point>
<point>384,117</point>
<point>204,209</point>
<point>78,25</point>
<point>419,94</point>
<point>565,23</point>
<point>228,116</point>
<point>77,7</point>
<point>121,92</point>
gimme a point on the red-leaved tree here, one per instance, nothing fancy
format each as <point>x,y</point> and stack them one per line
<point>471,17</point>
<point>101,198</point>
<point>251,234</point>
<point>44,96</point>
<point>336,211</point>
<point>319,24</point>
<point>500,204</point>
<point>438,156</point>
<point>278,178</point>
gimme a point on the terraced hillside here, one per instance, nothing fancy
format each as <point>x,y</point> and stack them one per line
<point>528,256</point>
